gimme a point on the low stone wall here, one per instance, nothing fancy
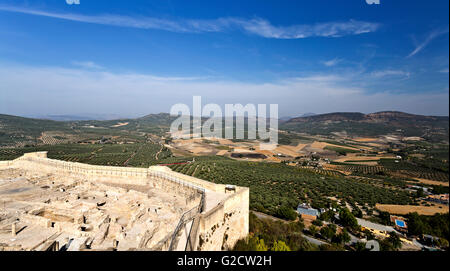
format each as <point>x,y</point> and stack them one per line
<point>216,229</point>
<point>137,176</point>
<point>39,161</point>
<point>165,171</point>
<point>4,164</point>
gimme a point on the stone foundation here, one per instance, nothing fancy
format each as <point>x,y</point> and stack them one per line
<point>221,219</point>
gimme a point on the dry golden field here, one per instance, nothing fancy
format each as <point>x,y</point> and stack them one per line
<point>405,209</point>
<point>356,157</point>
<point>426,181</point>
<point>365,139</point>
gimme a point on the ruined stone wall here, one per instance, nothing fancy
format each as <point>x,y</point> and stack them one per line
<point>4,164</point>
<point>38,161</point>
<point>189,179</point>
<point>215,229</point>
<point>221,227</point>
<point>113,175</point>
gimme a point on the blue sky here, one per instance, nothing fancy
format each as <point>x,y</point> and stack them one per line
<point>135,57</point>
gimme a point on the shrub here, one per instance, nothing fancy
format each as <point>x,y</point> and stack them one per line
<point>287,213</point>
<point>280,246</point>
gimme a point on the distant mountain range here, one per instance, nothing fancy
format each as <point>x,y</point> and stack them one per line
<point>287,118</point>
<point>385,116</point>
<point>78,117</point>
<point>434,128</point>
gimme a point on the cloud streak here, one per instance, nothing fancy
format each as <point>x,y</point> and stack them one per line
<point>385,73</point>
<point>87,65</point>
<point>255,26</point>
<point>332,62</point>
<point>434,34</point>
<point>71,91</point>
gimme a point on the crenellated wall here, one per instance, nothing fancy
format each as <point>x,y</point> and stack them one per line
<point>216,228</point>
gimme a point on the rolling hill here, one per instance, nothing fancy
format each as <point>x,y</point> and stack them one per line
<point>20,131</point>
<point>433,128</point>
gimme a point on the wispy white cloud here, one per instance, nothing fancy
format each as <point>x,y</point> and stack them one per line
<point>256,26</point>
<point>265,29</point>
<point>332,62</point>
<point>385,73</point>
<point>431,36</point>
<point>87,64</point>
<point>444,70</point>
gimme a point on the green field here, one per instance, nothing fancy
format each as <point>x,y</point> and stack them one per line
<point>136,155</point>
<point>273,185</point>
<point>387,167</point>
<point>339,150</point>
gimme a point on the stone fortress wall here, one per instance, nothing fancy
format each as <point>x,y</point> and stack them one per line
<point>221,220</point>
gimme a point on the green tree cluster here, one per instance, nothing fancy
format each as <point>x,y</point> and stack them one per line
<point>274,235</point>
<point>347,219</point>
<point>286,212</point>
<point>329,231</point>
<point>436,225</point>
